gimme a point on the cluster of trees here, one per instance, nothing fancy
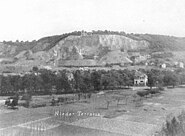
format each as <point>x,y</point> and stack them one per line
<point>20,43</point>
<point>158,42</point>
<point>165,78</point>
<point>47,82</point>
<point>108,32</point>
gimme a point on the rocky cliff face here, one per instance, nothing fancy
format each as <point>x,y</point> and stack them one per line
<point>113,42</point>
<point>78,47</point>
<point>89,47</point>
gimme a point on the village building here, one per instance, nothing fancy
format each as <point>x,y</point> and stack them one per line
<point>163,65</point>
<point>137,58</point>
<point>151,63</point>
<point>179,64</point>
<point>95,57</point>
<point>176,63</point>
<point>70,76</point>
<point>140,79</point>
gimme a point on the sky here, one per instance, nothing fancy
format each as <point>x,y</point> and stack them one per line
<point>34,19</point>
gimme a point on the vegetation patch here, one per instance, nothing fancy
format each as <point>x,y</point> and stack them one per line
<point>173,127</point>
<point>37,105</point>
<point>145,93</point>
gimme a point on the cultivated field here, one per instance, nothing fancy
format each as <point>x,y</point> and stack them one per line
<point>128,117</point>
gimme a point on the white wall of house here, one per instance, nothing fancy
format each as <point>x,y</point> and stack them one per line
<point>163,65</point>
<point>181,65</point>
<point>141,80</point>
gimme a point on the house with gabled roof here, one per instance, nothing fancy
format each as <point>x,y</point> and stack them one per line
<point>140,79</point>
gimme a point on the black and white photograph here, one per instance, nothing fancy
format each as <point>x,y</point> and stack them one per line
<point>92,68</point>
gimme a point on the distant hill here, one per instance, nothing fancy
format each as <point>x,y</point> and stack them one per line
<point>162,42</point>
<point>89,47</point>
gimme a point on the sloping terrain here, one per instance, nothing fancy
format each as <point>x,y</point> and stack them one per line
<point>115,57</point>
<point>7,50</point>
<point>179,56</point>
<point>95,46</point>
<point>162,42</point>
<point>46,43</point>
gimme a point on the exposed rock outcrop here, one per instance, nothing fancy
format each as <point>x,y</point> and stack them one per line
<point>84,47</point>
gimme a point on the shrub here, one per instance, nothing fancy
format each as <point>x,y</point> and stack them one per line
<point>26,97</point>
<point>161,88</point>
<point>147,92</point>
<point>154,91</point>
<point>143,93</point>
<point>38,105</point>
<point>174,126</point>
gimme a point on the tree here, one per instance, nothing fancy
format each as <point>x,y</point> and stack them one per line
<point>87,81</point>
<point>35,69</point>
<point>96,77</point>
<point>62,82</point>
<point>128,77</point>
<point>115,80</point>
<point>105,80</point>
<point>154,78</point>
<point>6,87</point>
<point>28,82</point>
<point>111,79</point>
<point>82,81</point>
<point>171,78</point>
<point>16,83</point>
<point>48,78</point>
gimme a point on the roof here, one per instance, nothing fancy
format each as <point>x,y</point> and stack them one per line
<point>139,74</point>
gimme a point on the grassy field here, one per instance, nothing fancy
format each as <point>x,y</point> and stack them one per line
<point>130,116</point>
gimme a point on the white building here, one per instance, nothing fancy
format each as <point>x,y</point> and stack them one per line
<point>163,65</point>
<point>181,64</point>
<point>140,79</point>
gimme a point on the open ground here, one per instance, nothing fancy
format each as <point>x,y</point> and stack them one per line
<point>91,117</point>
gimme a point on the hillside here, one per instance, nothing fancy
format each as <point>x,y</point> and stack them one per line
<point>162,42</point>
<point>89,47</point>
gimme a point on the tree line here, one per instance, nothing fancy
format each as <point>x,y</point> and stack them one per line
<point>42,81</point>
